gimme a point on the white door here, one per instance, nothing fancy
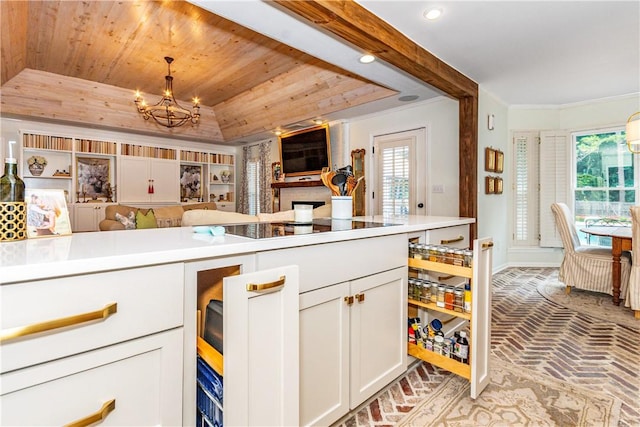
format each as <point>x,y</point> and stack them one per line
<point>480,345</point>
<point>324,355</point>
<point>400,170</point>
<point>261,348</point>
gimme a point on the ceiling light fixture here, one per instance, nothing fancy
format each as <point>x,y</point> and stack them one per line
<point>167,111</point>
<point>318,121</point>
<point>367,59</point>
<point>633,133</point>
<point>432,14</point>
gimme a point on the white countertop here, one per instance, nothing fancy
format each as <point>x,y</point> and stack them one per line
<point>79,253</point>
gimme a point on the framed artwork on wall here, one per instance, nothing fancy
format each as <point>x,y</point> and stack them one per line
<point>489,159</point>
<point>489,185</point>
<point>190,182</point>
<point>47,213</point>
<point>93,176</point>
<point>498,185</point>
<point>499,161</point>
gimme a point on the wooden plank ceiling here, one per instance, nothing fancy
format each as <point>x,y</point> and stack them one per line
<point>81,62</point>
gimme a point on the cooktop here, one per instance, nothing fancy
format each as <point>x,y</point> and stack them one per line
<point>266,230</point>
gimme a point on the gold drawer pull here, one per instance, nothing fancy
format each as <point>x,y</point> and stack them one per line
<point>255,287</point>
<point>100,415</point>
<point>457,239</point>
<point>63,322</point>
<point>487,245</point>
<point>348,300</point>
<point>360,297</point>
<point>441,278</point>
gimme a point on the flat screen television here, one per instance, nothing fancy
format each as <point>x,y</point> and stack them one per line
<point>305,152</point>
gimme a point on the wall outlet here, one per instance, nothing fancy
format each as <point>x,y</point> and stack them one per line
<point>437,188</point>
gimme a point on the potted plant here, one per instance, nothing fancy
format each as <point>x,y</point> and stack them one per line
<point>225,176</point>
<point>36,165</point>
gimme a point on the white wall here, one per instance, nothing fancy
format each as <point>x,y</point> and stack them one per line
<point>494,209</point>
<point>440,118</point>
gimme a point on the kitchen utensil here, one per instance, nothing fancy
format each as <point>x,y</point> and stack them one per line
<point>339,180</point>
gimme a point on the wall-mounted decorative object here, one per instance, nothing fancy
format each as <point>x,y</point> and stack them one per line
<point>498,185</point>
<point>93,173</point>
<point>36,165</point>
<point>490,121</point>
<point>276,170</point>
<point>489,159</point>
<point>47,213</point>
<point>489,185</point>
<point>499,161</point>
<point>190,181</point>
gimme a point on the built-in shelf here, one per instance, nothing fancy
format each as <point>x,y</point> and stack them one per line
<point>291,184</point>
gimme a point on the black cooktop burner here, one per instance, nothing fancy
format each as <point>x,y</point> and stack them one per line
<point>266,230</point>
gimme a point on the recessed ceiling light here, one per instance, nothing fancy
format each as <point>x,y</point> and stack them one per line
<point>433,14</point>
<point>318,121</point>
<point>278,132</point>
<point>408,98</point>
<point>367,59</point>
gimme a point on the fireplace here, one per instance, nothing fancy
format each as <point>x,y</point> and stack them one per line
<point>314,203</point>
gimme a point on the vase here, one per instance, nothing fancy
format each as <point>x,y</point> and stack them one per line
<point>36,169</point>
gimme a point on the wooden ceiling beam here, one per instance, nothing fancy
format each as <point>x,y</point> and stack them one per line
<point>356,25</point>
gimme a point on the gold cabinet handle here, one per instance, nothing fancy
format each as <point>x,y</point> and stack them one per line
<point>21,331</point>
<point>487,245</point>
<point>441,278</point>
<point>457,239</point>
<point>257,287</point>
<point>99,415</point>
<point>360,297</point>
<point>348,300</point>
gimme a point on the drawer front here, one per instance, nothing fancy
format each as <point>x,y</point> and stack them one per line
<point>147,300</point>
<point>143,377</point>
<point>456,237</point>
<point>330,263</point>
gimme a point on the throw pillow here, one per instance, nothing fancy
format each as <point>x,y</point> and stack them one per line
<point>128,221</point>
<point>146,221</point>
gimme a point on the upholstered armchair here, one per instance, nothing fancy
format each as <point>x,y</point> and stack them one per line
<point>583,266</point>
<point>633,295</point>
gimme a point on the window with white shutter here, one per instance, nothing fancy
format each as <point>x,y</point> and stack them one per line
<point>555,176</point>
<point>526,197</point>
<point>253,184</point>
<point>395,180</point>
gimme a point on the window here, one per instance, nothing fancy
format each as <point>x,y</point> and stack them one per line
<point>525,188</point>
<point>606,180</point>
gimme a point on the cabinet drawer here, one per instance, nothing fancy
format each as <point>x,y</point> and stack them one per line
<point>143,376</point>
<point>456,237</point>
<point>147,300</point>
<point>327,264</point>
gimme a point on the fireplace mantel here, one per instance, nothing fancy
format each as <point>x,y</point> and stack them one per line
<point>302,183</point>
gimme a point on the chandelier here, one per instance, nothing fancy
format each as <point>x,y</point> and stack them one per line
<point>167,111</point>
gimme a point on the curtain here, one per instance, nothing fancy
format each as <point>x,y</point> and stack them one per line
<point>260,154</point>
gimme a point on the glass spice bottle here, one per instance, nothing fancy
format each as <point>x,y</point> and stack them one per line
<point>440,299</point>
<point>458,300</point>
<point>448,298</point>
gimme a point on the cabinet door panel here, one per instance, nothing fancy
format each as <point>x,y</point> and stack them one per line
<point>134,178</point>
<point>261,380</point>
<point>324,355</point>
<point>166,181</point>
<point>144,377</point>
<point>378,332</point>
<point>480,345</point>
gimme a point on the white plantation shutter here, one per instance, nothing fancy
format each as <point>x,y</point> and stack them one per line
<point>526,196</point>
<point>394,164</point>
<point>253,184</point>
<point>555,173</point>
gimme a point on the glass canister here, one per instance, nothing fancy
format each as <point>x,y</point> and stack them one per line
<point>425,294</point>
<point>417,251</point>
<point>440,298</point>
<point>434,292</point>
<point>458,300</point>
<point>458,257</point>
<point>412,249</point>
<point>433,253</point>
<point>438,344</point>
<point>449,256</point>
<point>442,254</point>
<point>417,290</point>
<point>410,288</point>
<point>468,258</point>
<point>448,298</point>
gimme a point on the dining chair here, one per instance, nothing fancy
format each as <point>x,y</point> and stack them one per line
<point>583,266</point>
<point>633,294</point>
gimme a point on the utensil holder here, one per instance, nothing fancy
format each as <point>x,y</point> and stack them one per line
<point>341,207</point>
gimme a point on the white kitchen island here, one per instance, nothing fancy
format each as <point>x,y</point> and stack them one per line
<point>104,325</point>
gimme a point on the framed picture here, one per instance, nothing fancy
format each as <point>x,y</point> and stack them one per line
<point>489,159</point>
<point>190,181</point>
<point>47,213</point>
<point>489,185</point>
<point>499,161</point>
<point>93,177</point>
<point>498,186</point>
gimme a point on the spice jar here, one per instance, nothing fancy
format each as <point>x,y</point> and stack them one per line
<point>438,344</point>
<point>458,257</point>
<point>412,249</point>
<point>425,294</point>
<point>448,298</point>
<point>442,254</point>
<point>449,256</point>
<point>467,298</point>
<point>417,290</point>
<point>468,258</point>
<point>458,300</point>
<point>433,253</point>
<point>417,251</point>
<point>440,299</point>
<point>434,292</point>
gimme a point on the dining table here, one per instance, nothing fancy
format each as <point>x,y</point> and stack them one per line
<point>620,242</point>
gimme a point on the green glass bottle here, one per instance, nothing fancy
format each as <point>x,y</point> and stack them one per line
<point>13,217</point>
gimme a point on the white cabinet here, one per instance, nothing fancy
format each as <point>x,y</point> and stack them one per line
<point>69,345</point>
<point>479,319</point>
<point>222,188</point>
<point>87,216</point>
<point>148,180</point>
<point>352,344</point>
<point>260,339</point>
